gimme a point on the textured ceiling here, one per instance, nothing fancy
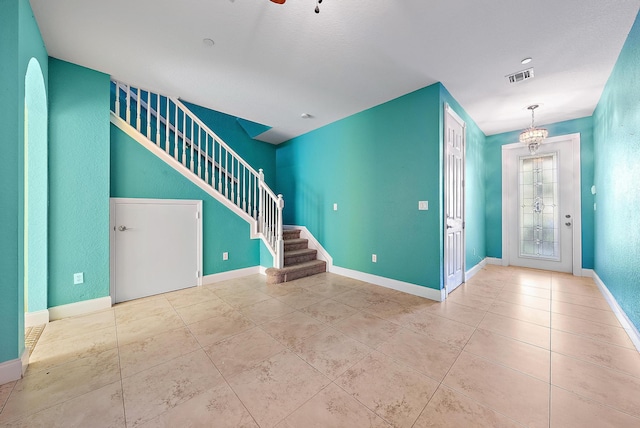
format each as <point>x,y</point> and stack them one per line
<point>270,63</point>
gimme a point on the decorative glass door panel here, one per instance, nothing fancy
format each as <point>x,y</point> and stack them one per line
<point>538,207</point>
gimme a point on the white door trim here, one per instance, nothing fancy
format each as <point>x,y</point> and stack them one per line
<point>450,113</point>
<point>112,233</point>
<point>576,203</point>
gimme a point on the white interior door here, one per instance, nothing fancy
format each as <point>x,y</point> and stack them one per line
<point>541,213</point>
<point>157,246</point>
<point>454,143</point>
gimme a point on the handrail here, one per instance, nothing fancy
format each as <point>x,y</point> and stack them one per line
<point>230,175</point>
<point>154,114</point>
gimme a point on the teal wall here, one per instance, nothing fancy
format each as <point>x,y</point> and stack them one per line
<point>617,164</point>
<point>36,189</point>
<point>138,173</point>
<point>474,184</point>
<point>78,182</point>
<point>376,165</point>
<point>20,40</point>
<point>493,165</point>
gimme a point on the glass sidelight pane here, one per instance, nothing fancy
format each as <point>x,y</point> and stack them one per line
<point>538,206</point>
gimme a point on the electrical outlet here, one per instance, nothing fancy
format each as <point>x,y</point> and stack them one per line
<point>335,207</point>
<point>78,278</point>
<point>423,205</point>
<point>225,256</point>
<point>374,258</point>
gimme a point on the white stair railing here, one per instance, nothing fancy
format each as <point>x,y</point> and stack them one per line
<point>171,126</point>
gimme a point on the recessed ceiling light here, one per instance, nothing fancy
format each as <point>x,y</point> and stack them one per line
<point>306,116</point>
<point>527,60</point>
<point>208,42</point>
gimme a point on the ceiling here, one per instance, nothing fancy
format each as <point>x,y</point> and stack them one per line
<point>271,63</point>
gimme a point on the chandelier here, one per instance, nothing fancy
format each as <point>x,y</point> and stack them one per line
<point>532,137</point>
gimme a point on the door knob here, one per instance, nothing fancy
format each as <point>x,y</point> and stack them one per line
<point>122,228</point>
<point>568,223</point>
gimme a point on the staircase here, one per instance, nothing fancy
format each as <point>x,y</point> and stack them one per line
<point>167,128</point>
<point>299,260</point>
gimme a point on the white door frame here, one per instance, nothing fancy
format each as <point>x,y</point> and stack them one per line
<point>576,203</point>
<point>112,233</point>
<point>450,113</point>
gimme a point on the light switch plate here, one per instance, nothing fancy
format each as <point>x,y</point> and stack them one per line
<point>335,207</point>
<point>423,205</point>
<point>78,278</point>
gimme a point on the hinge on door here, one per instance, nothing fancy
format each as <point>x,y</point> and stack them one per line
<point>197,274</point>
<point>463,224</point>
<point>197,214</point>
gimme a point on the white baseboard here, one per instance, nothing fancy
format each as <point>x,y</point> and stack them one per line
<point>232,274</point>
<point>24,361</point>
<point>474,270</point>
<point>493,261</point>
<point>79,308</point>
<point>405,287</point>
<point>313,244</point>
<point>14,369</point>
<point>626,323</point>
<point>32,319</point>
<point>590,273</point>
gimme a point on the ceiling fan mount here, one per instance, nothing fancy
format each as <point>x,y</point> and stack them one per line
<point>317,9</point>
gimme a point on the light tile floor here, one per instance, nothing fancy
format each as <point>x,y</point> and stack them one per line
<point>511,348</point>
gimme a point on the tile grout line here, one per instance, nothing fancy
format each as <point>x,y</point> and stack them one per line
<point>124,408</point>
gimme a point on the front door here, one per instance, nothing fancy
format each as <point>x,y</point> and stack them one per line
<point>454,142</point>
<point>541,213</point>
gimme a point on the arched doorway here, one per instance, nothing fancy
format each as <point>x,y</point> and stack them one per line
<point>35,196</point>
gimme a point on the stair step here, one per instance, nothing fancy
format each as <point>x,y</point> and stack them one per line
<point>295,244</point>
<point>300,270</point>
<point>293,257</point>
<point>290,234</point>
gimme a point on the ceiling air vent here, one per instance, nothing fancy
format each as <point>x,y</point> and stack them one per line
<point>521,76</point>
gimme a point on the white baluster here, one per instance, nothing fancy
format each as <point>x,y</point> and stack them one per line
<point>184,138</point>
<point>279,239</point>
<point>117,98</point>
<point>270,224</point>
<point>175,129</point>
<point>138,114</point>
<point>167,122</point>
<point>206,158</point>
<point>148,115</point>
<point>158,119</point>
<point>260,200</point>
<point>219,167</point>
<point>255,197</point>
<point>128,113</point>
<point>238,182</point>
<point>226,173</point>
<point>193,141</point>
<point>199,153</point>
<point>233,162</point>
<point>244,189</point>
